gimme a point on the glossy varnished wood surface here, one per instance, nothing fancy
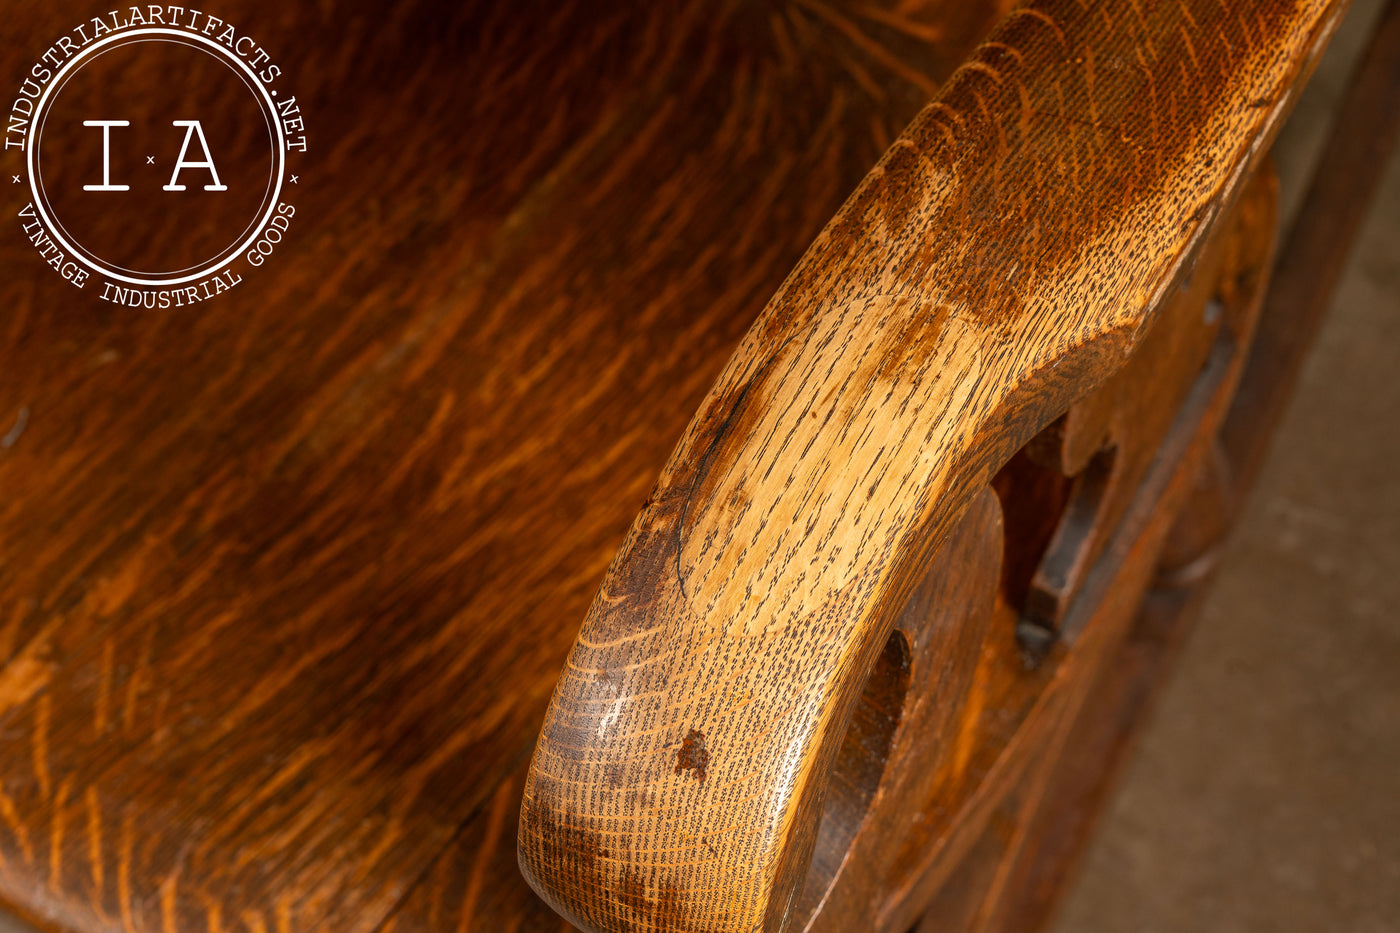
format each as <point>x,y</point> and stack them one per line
<point>1007,253</point>
<point>286,578</point>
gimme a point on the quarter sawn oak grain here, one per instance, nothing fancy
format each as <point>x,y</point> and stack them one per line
<point>286,577</point>
<point>1003,258</point>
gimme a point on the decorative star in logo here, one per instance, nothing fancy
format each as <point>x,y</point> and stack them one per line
<point>16,178</point>
<point>150,160</point>
<point>294,179</point>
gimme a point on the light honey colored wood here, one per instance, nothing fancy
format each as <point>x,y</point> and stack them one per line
<point>1002,260</point>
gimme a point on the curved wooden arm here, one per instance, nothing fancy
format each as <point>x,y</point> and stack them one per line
<point>999,262</point>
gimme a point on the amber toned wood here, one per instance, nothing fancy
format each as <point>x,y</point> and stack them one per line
<point>1022,763</point>
<point>286,579</point>
<point>947,623</point>
<point>1133,598</point>
<point>1305,277</point>
<point>1096,749</point>
<point>1005,256</point>
<point>1054,835</point>
<point>285,582</point>
<point>952,626</point>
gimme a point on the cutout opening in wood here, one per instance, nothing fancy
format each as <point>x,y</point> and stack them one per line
<point>860,764</point>
<point>1033,501</point>
<point>1050,520</point>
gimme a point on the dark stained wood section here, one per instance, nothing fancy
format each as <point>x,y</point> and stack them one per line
<point>286,578</point>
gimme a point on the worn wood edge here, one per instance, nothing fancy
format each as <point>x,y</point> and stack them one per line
<point>1120,578</point>
<point>1122,689</point>
<point>575,838</point>
<point>1305,275</point>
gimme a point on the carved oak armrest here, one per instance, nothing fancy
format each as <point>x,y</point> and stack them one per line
<point>1003,259</point>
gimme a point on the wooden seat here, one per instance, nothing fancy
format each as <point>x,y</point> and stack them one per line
<point>286,578</point>
<point>930,318</point>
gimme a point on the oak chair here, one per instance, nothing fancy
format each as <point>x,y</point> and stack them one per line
<point>961,313</point>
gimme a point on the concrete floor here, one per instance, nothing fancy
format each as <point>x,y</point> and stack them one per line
<point>1265,793</point>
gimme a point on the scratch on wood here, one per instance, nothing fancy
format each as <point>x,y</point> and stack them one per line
<point>703,469</point>
<point>21,422</point>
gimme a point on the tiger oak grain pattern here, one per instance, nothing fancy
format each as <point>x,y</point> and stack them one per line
<point>1040,808</point>
<point>286,578</point>
<point>1002,259</point>
<point>928,835</point>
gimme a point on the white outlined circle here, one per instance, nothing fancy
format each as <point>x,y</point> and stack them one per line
<point>37,187</point>
<point>55,230</point>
